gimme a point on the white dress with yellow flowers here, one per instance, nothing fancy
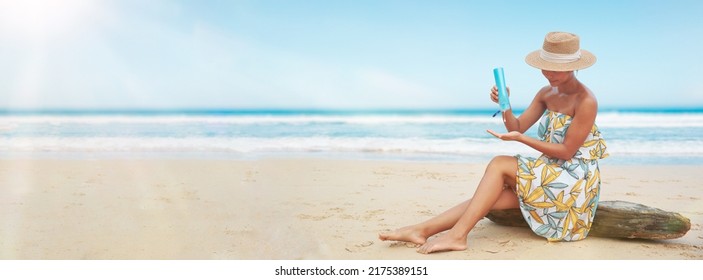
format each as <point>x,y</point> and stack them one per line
<point>558,198</point>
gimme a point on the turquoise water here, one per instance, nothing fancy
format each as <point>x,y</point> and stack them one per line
<point>636,136</point>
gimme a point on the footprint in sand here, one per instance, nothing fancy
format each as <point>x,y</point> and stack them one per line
<point>313,217</point>
<point>689,255</point>
<point>358,247</point>
<point>348,217</point>
<point>403,244</point>
<point>507,243</point>
<point>190,195</point>
<point>373,214</point>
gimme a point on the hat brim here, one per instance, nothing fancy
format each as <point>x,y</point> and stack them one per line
<point>587,59</point>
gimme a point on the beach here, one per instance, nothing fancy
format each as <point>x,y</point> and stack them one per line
<point>292,208</point>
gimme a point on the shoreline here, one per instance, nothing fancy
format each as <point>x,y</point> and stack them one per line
<point>293,208</point>
<point>430,158</point>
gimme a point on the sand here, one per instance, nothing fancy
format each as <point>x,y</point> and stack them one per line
<point>289,209</point>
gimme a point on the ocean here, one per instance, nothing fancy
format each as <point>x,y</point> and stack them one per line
<point>634,136</point>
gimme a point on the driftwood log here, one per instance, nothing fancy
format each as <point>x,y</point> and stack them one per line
<point>617,219</point>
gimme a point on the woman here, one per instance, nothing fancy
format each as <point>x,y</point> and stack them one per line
<point>557,193</point>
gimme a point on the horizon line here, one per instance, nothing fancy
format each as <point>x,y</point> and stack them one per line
<point>293,110</point>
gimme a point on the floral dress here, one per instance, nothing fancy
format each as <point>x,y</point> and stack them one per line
<point>558,198</point>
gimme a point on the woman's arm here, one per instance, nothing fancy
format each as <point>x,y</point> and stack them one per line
<point>553,150</point>
<point>529,117</point>
<point>576,135</point>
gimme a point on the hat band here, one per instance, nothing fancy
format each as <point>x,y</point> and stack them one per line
<point>559,57</point>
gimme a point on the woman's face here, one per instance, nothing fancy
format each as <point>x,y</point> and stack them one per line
<point>557,78</point>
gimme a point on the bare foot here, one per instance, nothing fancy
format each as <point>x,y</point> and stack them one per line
<point>445,242</point>
<point>407,234</point>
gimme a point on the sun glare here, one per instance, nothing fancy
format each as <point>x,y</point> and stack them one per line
<point>44,19</point>
<point>31,29</point>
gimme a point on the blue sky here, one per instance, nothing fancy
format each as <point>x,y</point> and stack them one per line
<point>158,54</point>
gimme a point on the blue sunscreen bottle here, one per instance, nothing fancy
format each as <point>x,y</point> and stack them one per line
<point>502,91</point>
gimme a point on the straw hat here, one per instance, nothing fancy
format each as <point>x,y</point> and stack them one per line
<point>560,52</point>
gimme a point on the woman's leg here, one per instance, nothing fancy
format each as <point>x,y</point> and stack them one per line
<point>501,171</point>
<point>419,233</point>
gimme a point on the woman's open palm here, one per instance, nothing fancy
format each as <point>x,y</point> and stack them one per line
<point>509,136</point>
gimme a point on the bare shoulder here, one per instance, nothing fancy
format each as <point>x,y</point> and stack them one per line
<point>587,104</point>
<point>588,100</point>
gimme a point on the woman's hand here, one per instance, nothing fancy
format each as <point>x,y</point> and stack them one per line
<point>510,136</point>
<point>494,93</point>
